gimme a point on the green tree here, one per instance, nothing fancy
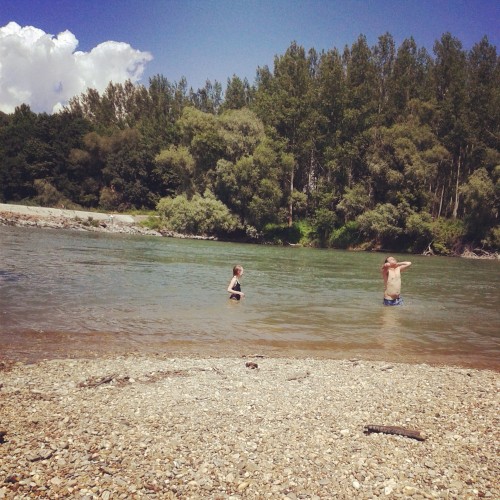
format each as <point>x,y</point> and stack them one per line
<point>238,94</point>
<point>481,204</point>
<point>199,132</point>
<point>410,78</point>
<point>251,187</point>
<point>451,93</point>
<point>208,99</point>
<point>174,168</point>
<point>282,101</point>
<point>484,92</point>
<point>362,89</point>
<point>355,201</point>
<point>241,132</point>
<point>382,225</point>
<point>201,215</point>
<point>384,56</point>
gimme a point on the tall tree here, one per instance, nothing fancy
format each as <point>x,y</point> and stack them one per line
<point>384,55</point>
<point>282,102</point>
<point>410,78</point>
<point>484,92</point>
<point>451,94</point>
<point>238,94</point>
<point>207,99</point>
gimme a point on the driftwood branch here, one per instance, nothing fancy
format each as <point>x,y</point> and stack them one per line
<point>298,376</point>
<point>399,431</point>
<point>96,381</point>
<point>429,250</point>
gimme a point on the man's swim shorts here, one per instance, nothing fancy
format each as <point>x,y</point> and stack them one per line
<point>393,302</point>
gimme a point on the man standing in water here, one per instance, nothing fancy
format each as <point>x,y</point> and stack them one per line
<point>391,272</point>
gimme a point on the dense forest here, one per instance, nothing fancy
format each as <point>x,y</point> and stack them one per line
<point>368,147</point>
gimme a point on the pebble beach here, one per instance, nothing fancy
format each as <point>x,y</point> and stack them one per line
<point>246,427</point>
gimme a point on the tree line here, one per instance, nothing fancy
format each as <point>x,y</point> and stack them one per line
<point>368,147</point>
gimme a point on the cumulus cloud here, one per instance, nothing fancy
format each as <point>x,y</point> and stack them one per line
<point>45,71</point>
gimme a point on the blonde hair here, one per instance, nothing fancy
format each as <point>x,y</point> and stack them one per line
<point>237,270</point>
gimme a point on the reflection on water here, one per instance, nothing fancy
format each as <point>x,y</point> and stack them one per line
<point>390,330</point>
<point>67,293</point>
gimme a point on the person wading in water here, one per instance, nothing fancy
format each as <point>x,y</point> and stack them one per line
<point>391,272</point>
<point>234,287</point>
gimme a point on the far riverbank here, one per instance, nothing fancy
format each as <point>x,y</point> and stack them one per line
<point>80,220</point>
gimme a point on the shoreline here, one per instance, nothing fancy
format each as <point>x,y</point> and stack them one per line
<point>43,347</point>
<point>79,220</point>
<point>246,427</point>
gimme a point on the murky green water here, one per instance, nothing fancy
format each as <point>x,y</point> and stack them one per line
<point>65,294</point>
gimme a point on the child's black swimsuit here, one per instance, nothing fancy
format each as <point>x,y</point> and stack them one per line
<point>236,288</point>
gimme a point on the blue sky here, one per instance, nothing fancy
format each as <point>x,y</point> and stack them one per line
<point>214,39</point>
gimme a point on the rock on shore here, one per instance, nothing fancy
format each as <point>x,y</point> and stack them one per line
<point>254,428</point>
<point>56,218</point>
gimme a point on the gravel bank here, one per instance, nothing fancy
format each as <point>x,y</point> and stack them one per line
<point>153,427</point>
<point>57,218</point>
<point>77,220</point>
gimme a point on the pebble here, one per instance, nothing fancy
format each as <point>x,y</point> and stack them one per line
<point>293,430</point>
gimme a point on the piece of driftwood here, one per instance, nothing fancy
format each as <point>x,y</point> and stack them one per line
<point>391,429</point>
<point>96,381</point>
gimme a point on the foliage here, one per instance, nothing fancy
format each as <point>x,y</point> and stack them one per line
<point>418,231</point>
<point>201,215</point>
<point>324,220</point>
<point>153,222</point>
<point>492,239</point>
<point>48,196</point>
<point>481,203</point>
<point>346,236</point>
<point>382,224</point>
<point>280,234</point>
<point>384,146</point>
<point>447,235</point>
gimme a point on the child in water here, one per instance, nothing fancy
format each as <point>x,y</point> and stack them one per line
<point>391,272</point>
<point>234,287</point>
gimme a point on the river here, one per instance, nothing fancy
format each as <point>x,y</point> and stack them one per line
<point>65,293</point>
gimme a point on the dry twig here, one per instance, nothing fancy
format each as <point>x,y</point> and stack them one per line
<point>391,429</point>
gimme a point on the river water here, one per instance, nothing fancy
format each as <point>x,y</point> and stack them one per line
<point>65,293</point>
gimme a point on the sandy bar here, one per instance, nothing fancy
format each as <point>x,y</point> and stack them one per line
<point>157,427</point>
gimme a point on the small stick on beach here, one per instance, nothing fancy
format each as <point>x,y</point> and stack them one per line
<point>399,431</point>
<point>96,381</point>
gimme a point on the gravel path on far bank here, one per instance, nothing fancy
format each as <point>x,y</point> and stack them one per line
<point>148,427</point>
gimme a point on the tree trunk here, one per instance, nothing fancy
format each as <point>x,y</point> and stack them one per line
<point>457,185</point>
<point>441,202</point>
<point>311,180</point>
<point>290,205</point>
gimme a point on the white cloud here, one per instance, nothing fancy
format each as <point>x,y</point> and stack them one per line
<point>45,71</point>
